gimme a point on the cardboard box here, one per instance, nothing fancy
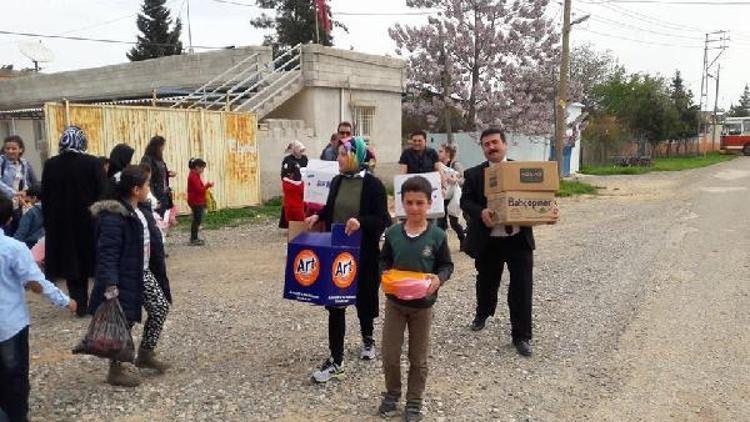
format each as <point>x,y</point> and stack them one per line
<point>437,208</point>
<point>323,268</point>
<point>317,177</point>
<point>533,176</point>
<point>522,208</point>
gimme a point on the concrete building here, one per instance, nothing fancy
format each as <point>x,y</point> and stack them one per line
<point>302,96</point>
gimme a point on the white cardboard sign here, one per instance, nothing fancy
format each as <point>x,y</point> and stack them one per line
<point>437,209</point>
<point>317,177</point>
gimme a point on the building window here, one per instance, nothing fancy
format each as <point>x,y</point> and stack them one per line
<point>364,118</point>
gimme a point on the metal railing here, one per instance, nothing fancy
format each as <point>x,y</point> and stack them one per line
<point>278,86</point>
<point>276,65</point>
<point>201,93</point>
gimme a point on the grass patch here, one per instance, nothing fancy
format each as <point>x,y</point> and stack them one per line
<point>572,188</point>
<point>261,214</point>
<point>662,164</point>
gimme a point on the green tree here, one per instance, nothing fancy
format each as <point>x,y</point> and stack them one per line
<point>294,23</point>
<point>743,108</point>
<point>689,115</point>
<point>156,39</point>
<point>640,102</point>
<point>603,135</point>
<point>589,67</point>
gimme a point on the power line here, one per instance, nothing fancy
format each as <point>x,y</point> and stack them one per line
<point>74,38</point>
<point>639,28</point>
<point>638,41</point>
<point>422,13</point>
<point>651,19</point>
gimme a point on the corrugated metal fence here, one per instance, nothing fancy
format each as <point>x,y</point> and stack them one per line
<point>225,140</point>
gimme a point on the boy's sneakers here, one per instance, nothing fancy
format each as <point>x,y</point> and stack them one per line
<point>368,349</point>
<point>328,371</point>
<point>388,407</point>
<point>197,242</point>
<point>413,411</point>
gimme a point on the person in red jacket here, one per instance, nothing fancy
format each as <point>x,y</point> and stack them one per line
<point>294,190</point>
<point>196,197</point>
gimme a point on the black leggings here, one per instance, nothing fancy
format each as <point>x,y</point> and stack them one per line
<point>197,220</point>
<point>78,290</point>
<point>337,331</point>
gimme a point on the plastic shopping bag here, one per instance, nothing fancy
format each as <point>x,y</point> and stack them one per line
<point>108,335</point>
<point>454,205</point>
<point>405,285</point>
<point>210,202</point>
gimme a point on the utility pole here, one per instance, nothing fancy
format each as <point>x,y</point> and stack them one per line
<point>712,38</point>
<point>317,25</point>
<point>716,106</point>
<point>190,30</point>
<point>562,91</point>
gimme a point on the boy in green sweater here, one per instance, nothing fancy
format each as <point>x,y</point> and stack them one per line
<point>414,245</point>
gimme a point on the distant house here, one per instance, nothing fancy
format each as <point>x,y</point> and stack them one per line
<point>301,96</point>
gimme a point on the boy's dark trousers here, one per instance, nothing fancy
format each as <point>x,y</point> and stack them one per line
<point>14,376</point>
<point>519,257</point>
<point>197,220</point>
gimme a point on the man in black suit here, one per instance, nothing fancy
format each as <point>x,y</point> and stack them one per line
<point>492,247</point>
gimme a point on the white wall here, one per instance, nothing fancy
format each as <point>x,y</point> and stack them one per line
<point>321,109</point>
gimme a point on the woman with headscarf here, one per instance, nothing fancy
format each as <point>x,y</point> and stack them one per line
<point>73,180</point>
<point>358,200</point>
<point>293,162</point>
<point>160,174</point>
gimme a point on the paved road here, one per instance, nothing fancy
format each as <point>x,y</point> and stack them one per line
<point>642,309</point>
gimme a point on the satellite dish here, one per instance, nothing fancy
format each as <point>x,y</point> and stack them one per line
<point>36,52</point>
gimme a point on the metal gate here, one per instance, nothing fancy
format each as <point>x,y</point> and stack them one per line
<point>225,140</point>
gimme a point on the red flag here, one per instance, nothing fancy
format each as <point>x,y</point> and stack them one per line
<point>322,10</point>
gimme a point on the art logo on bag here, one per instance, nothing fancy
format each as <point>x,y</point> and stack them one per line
<point>344,270</point>
<point>306,267</point>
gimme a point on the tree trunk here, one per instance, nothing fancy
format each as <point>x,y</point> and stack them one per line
<point>471,118</point>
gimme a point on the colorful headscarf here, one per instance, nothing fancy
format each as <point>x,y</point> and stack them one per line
<point>356,149</point>
<point>73,139</point>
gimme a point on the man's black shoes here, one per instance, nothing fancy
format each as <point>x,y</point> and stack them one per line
<point>478,324</point>
<point>523,347</point>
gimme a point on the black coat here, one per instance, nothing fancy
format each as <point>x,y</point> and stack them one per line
<point>119,256</point>
<point>373,219</point>
<point>71,183</point>
<point>159,183</point>
<point>473,201</point>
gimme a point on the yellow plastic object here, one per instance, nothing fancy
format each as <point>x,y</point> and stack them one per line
<point>392,278</point>
<point>210,202</point>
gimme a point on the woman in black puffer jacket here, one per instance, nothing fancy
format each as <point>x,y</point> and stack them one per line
<point>130,266</point>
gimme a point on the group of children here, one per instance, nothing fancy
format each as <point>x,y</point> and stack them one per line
<point>19,184</point>
<point>130,265</point>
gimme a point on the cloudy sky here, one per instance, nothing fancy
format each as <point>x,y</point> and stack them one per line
<point>646,35</point>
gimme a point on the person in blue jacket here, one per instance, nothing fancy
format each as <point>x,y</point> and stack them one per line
<point>16,176</point>
<point>31,227</point>
<point>130,266</point>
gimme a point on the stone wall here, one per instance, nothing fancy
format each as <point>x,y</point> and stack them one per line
<point>334,68</point>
